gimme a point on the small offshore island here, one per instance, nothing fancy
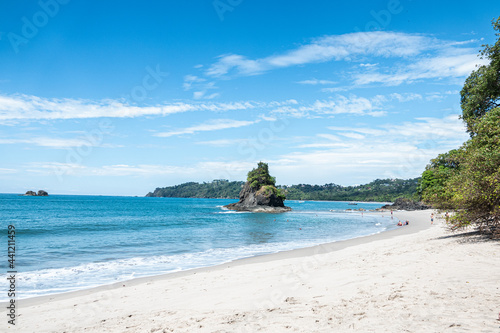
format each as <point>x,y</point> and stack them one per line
<point>41,193</point>
<point>259,194</point>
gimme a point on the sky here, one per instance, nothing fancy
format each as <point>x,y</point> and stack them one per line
<point>121,97</point>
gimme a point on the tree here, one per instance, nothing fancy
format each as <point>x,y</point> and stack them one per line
<point>474,191</point>
<point>467,180</point>
<point>432,185</point>
<point>481,91</point>
<point>261,181</point>
<point>260,176</point>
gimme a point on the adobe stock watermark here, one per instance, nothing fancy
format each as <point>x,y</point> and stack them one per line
<point>31,26</point>
<point>150,82</point>
<point>381,18</point>
<point>223,6</point>
<point>76,155</point>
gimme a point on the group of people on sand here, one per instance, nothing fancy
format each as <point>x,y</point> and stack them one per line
<point>400,224</point>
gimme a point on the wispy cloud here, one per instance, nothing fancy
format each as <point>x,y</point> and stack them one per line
<point>316,82</point>
<point>205,170</point>
<point>438,67</point>
<point>389,150</point>
<point>27,107</point>
<point>222,142</point>
<point>342,47</point>
<point>7,171</point>
<point>339,105</point>
<point>425,128</point>
<point>212,125</point>
<point>418,57</point>
<point>57,143</point>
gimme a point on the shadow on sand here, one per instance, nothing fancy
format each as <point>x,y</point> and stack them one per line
<point>470,237</point>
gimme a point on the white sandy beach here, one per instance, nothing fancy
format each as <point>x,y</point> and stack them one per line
<point>418,278</point>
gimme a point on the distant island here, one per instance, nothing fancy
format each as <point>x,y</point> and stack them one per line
<point>41,193</point>
<point>380,190</point>
<point>259,194</point>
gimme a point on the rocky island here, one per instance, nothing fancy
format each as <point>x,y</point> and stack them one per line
<point>41,193</point>
<point>259,194</point>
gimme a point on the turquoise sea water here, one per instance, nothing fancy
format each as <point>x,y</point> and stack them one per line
<point>66,243</point>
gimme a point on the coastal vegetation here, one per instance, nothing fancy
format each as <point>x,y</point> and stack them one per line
<point>261,181</point>
<point>219,188</point>
<point>467,180</point>
<point>377,190</point>
<point>259,193</point>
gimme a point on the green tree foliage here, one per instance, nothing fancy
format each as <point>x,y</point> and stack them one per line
<point>216,189</point>
<point>467,180</point>
<point>481,91</point>
<point>474,191</point>
<point>432,185</point>
<point>261,181</point>
<point>378,190</point>
<point>260,176</point>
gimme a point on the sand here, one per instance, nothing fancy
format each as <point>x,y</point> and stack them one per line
<point>418,278</point>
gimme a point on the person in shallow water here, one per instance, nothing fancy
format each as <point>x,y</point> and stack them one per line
<point>400,224</point>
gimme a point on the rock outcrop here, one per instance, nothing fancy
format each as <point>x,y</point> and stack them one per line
<point>258,201</point>
<point>406,204</point>
<point>259,194</point>
<point>41,193</point>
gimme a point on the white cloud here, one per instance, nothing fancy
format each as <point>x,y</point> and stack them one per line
<point>223,142</point>
<point>26,107</point>
<point>189,80</point>
<point>212,125</point>
<point>418,57</point>
<point>353,135</point>
<point>322,145</point>
<point>340,105</point>
<point>368,65</point>
<point>420,130</point>
<point>58,143</point>
<point>341,47</point>
<point>205,170</point>
<point>437,67</point>
<point>316,82</point>
<point>387,151</point>
<point>7,171</point>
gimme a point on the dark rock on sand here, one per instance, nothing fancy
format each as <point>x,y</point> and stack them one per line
<point>406,204</point>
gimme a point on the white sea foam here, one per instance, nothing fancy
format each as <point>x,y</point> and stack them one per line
<point>42,282</point>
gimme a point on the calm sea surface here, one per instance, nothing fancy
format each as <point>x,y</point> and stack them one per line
<point>66,243</point>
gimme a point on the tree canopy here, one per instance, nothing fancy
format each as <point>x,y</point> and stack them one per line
<point>260,176</point>
<point>475,190</point>
<point>377,190</point>
<point>467,180</point>
<point>481,91</point>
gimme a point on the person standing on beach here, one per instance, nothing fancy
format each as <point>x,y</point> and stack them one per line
<point>432,218</point>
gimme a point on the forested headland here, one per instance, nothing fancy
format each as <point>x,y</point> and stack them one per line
<point>377,190</point>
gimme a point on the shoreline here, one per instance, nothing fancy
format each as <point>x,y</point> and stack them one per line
<point>286,254</point>
<point>295,253</point>
<point>415,278</point>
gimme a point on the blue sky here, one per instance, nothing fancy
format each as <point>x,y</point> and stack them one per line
<point>121,97</point>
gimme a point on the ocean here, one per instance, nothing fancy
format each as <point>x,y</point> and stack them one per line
<point>65,242</point>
